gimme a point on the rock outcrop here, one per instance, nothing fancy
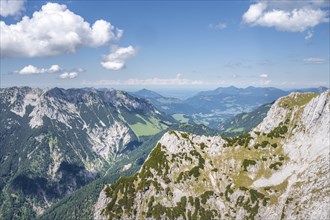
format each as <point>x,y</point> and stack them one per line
<point>280,170</point>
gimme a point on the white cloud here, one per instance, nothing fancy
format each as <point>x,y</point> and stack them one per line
<point>11,7</point>
<point>283,18</point>
<point>69,75</point>
<point>255,11</point>
<point>314,60</point>
<point>292,4</point>
<point>30,69</point>
<point>54,68</point>
<point>219,26</point>
<point>309,35</point>
<point>264,75</point>
<point>52,31</point>
<point>178,80</point>
<point>117,58</point>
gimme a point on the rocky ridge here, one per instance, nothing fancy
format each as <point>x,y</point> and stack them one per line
<point>280,170</point>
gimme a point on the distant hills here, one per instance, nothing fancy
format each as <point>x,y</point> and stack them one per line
<point>243,122</point>
<point>317,90</point>
<point>228,101</point>
<point>168,105</point>
<point>147,94</point>
<point>214,106</point>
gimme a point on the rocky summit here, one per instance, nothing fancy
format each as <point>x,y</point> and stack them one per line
<point>280,170</point>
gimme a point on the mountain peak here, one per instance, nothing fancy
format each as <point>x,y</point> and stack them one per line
<point>145,93</point>
<point>229,88</point>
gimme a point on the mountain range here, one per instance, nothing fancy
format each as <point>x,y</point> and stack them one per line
<point>54,141</point>
<point>60,147</point>
<point>214,106</point>
<point>280,170</point>
<point>168,105</point>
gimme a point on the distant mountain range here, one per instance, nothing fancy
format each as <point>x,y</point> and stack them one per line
<point>214,106</point>
<point>317,90</point>
<point>232,99</point>
<point>166,104</point>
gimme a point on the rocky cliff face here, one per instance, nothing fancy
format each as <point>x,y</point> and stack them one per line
<point>53,141</point>
<point>280,170</point>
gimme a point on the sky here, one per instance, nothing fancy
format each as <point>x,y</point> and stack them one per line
<point>164,44</point>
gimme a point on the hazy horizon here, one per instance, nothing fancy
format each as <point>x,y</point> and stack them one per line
<point>174,92</point>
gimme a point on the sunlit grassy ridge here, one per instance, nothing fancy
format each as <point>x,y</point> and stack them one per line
<point>299,99</point>
<point>193,169</point>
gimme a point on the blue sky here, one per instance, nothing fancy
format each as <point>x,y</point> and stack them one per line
<point>164,44</point>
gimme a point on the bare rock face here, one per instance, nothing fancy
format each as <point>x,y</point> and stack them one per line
<point>280,170</point>
<point>102,201</point>
<point>54,141</point>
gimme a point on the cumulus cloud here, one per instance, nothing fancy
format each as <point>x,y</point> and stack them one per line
<point>219,26</point>
<point>314,60</point>
<point>11,7</point>
<point>30,69</point>
<point>292,4</point>
<point>254,12</point>
<point>264,75</point>
<point>285,18</point>
<point>63,74</point>
<point>53,30</point>
<point>178,80</point>
<point>69,75</point>
<point>117,58</point>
